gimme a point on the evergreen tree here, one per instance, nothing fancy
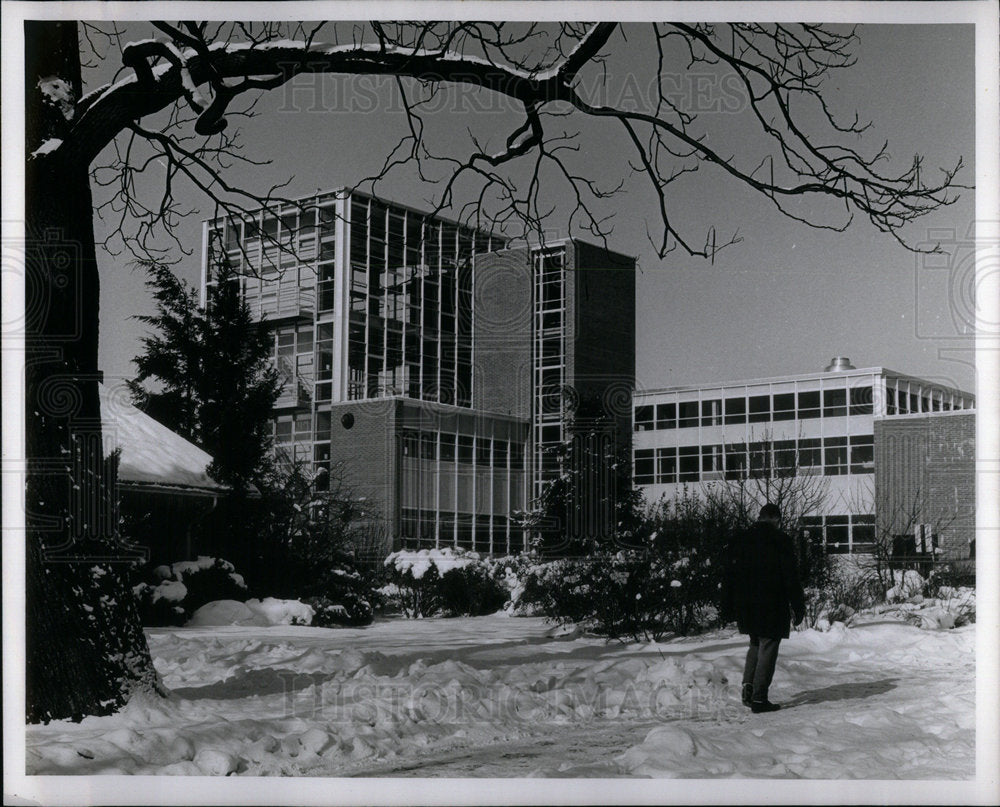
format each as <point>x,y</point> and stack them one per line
<point>216,382</point>
<point>172,354</point>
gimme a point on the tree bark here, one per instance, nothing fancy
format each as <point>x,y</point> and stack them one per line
<point>85,649</point>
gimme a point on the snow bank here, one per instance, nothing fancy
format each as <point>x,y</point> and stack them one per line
<point>260,613</point>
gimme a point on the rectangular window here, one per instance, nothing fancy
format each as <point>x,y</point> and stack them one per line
<point>666,416</point>
<point>863,455</point>
<point>736,410</point>
<point>411,443</point>
<point>784,458</point>
<point>837,535</point>
<point>687,464</point>
<point>890,401</point>
<point>465,449</point>
<point>862,402</point>
<point>736,461</point>
<point>516,455</point>
<point>784,406</point>
<point>810,456</point>
<point>688,414</point>
<point>760,459</point>
<point>759,409</point>
<point>428,446</point>
<point>834,403</point>
<point>643,474</point>
<point>711,462</point>
<point>809,405</point>
<point>863,533</point>
<point>643,418</point>
<point>914,403</point>
<point>811,530</point>
<point>666,465</point>
<point>483,445</point>
<point>447,448</point>
<point>499,453</point>
<point>711,413</point>
<point>834,456</point>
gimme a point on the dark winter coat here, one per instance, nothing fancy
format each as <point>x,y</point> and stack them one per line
<point>761,582</point>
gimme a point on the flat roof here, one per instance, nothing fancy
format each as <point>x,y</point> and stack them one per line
<point>823,374</point>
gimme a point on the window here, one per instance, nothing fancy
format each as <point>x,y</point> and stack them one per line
<point>861,401</point>
<point>811,530</point>
<point>736,461</point>
<point>810,456</point>
<point>465,449</point>
<point>838,535</point>
<point>516,455</point>
<point>736,410</point>
<point>890,401</point>
<point>643,418</point>
<point>834,403</point>
<point>784,458</point>
<point>914,403</point>
<point>711,413</point>
<point>666,416</point>
<point>666,465</point>
<point>760,459</point>
<point>411,443</point>
<point>759,409</point>
<point>863,533</point>
<point>483,451</point>
<point>643,474</point>
<point>808,405</point>
<point>784,406</point>
<point>447,448</point>
<point>688,414</point>
<point>835,456</point>
<point>711,462</point>
<point>428,446</point>
<point>863,455</point>
<point>687,464</point>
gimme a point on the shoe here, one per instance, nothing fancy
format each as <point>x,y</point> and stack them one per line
<point>747,695</point>
<point>763,706</point>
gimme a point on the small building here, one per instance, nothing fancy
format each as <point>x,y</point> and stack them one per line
<point>163,484</point>
<point>839,424</point>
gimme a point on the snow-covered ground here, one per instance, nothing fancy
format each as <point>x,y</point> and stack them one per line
<point>502,696</point>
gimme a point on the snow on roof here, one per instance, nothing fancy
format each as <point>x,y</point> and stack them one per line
<point>151,454</point>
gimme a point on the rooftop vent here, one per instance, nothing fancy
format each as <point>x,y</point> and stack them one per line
<point>839,363</point>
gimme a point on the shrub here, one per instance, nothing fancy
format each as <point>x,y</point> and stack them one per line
<point>167,595</point>
<point>639,594</point>
<point>445,581</point>
<point>470,591</point>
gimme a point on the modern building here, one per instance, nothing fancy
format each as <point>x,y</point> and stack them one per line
<point>833,424</point>
<point>425,361</point>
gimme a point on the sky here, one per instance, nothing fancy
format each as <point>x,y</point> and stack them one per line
<point>785,300</point>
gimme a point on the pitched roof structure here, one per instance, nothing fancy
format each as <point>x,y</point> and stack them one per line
<point>152,456</point>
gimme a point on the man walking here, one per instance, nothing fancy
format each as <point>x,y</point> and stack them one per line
<point>761,583</point>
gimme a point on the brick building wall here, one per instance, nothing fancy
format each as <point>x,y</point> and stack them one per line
<point>363,448</point>
<point>925,471</point>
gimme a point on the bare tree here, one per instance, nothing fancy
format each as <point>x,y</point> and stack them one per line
<point>173,101</point>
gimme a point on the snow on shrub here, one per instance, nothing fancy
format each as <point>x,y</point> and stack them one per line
<point>171,593</point>
<point>639,594</point>
<point>448,581</point>
<point>906,583</point>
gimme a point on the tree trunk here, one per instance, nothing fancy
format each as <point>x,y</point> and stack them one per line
<point>86,652</point>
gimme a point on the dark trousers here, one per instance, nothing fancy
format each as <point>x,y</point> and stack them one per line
<point>759,668</point>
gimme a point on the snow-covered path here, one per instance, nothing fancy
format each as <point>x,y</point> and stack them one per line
<point>499,696</point>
